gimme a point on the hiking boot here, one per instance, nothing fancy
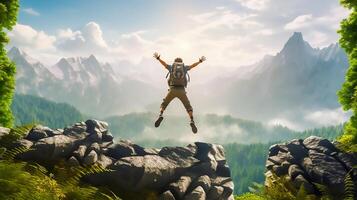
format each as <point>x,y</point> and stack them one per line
<point>193,127</point>
<point>158,121</point>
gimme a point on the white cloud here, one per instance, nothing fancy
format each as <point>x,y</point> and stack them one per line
<point>299,22</point>
<point>285,122</point>
<point>25,36</point>
<point>88,40</point>
<point>328,117</point>
<point>31,11</point>
<point>254,4</point>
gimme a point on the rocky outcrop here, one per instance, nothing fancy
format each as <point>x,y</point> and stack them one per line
<point>312,162</point>
<point>197,171</point>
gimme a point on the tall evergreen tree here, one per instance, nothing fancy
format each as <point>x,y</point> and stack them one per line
<point>8,17</point>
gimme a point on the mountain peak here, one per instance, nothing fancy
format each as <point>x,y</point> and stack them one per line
<point>296,45</point>
<point>14,51</point>
<point>297,36</point>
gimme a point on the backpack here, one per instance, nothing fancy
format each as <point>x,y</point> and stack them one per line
<point>178,75</point>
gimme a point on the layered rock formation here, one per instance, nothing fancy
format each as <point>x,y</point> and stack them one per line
<point>198,171</point>
<point>312,162</point>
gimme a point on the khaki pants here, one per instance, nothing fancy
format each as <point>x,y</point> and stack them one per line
<point>180,93</point>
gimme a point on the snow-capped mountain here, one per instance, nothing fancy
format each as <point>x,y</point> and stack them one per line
<point>297,80</point>
<point>86,83</point>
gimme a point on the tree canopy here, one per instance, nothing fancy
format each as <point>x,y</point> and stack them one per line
<point>8,18</point>
<point>348,93</point>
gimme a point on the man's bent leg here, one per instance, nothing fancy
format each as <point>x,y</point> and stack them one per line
<point>164,104</point>
<point>186,102</point>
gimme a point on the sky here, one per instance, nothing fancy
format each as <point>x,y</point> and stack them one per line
<point>230,33</point>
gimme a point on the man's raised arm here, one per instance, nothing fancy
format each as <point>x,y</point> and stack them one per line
<point>197,63</point>
<point>157,56</point>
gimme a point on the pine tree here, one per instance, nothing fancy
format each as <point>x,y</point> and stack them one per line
<point>8,17</point>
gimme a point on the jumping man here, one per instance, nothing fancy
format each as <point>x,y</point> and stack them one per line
<point>177,83</point>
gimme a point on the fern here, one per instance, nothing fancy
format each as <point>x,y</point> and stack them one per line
<point>15,134</point>
<point>10,154</point>
<point>349,187</point>
<point>80,172</point>
<point>301,194</point>
<point>325,192</point>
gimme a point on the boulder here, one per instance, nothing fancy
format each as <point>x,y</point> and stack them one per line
<point>226,183</point>
<point>96,126</point>
<point>73,162</point>
<point>77,130</point>
<point>120,150</point>
<point>95,137</point>
<point>319,144</point>
<point>137,172</point>
<point>80,152</point>
<point>108,137</point>
<point>91,158</point>
<point>38,132</point>
<point>294,171</point>
<point>223,170</point>
<point>180,187</point>
<point>94,147</point>
<point>50,149</point>
<point>4,131</point>
<point>326,170</point>
<point>22,143</point>
<point>300,181</point>
<point>197,194</point>
<point>215,193</point>
<point>205,168</point>
<point>182,156</point>
<point>132,171</point>
<point>104,161</point>
<point>313,160</point>
<point>167,196</point>
<point>208,152</point>
<point>204,182</point>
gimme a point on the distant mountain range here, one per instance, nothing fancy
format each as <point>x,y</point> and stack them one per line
<point>92,87</point>
<point>294,83</point>
<point>290,85</point>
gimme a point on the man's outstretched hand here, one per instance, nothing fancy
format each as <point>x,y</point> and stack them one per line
<point>156,55</point>
<point>202,59</point>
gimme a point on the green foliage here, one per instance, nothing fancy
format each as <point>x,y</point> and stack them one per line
<point>349,187</point>
<point>247,163</point>
<point>17,183</point>
<point>348,93</point>
<point>31,109</point>
<point>346,143</point>
<point>11,154</point>
<point>249,196</point>
<point>16,133</point>
<point>8,17</point>
<point>330,132</point>
<point>32,181</point>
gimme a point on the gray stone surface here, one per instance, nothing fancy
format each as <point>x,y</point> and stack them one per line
<point>167,196</point>
<point>180,186</point>
<point>37,133</point>
<point>311,161</point>
<point>91,158</point>
<point>197,194</point>
<point>197,171</point>
<point>4,131</point>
